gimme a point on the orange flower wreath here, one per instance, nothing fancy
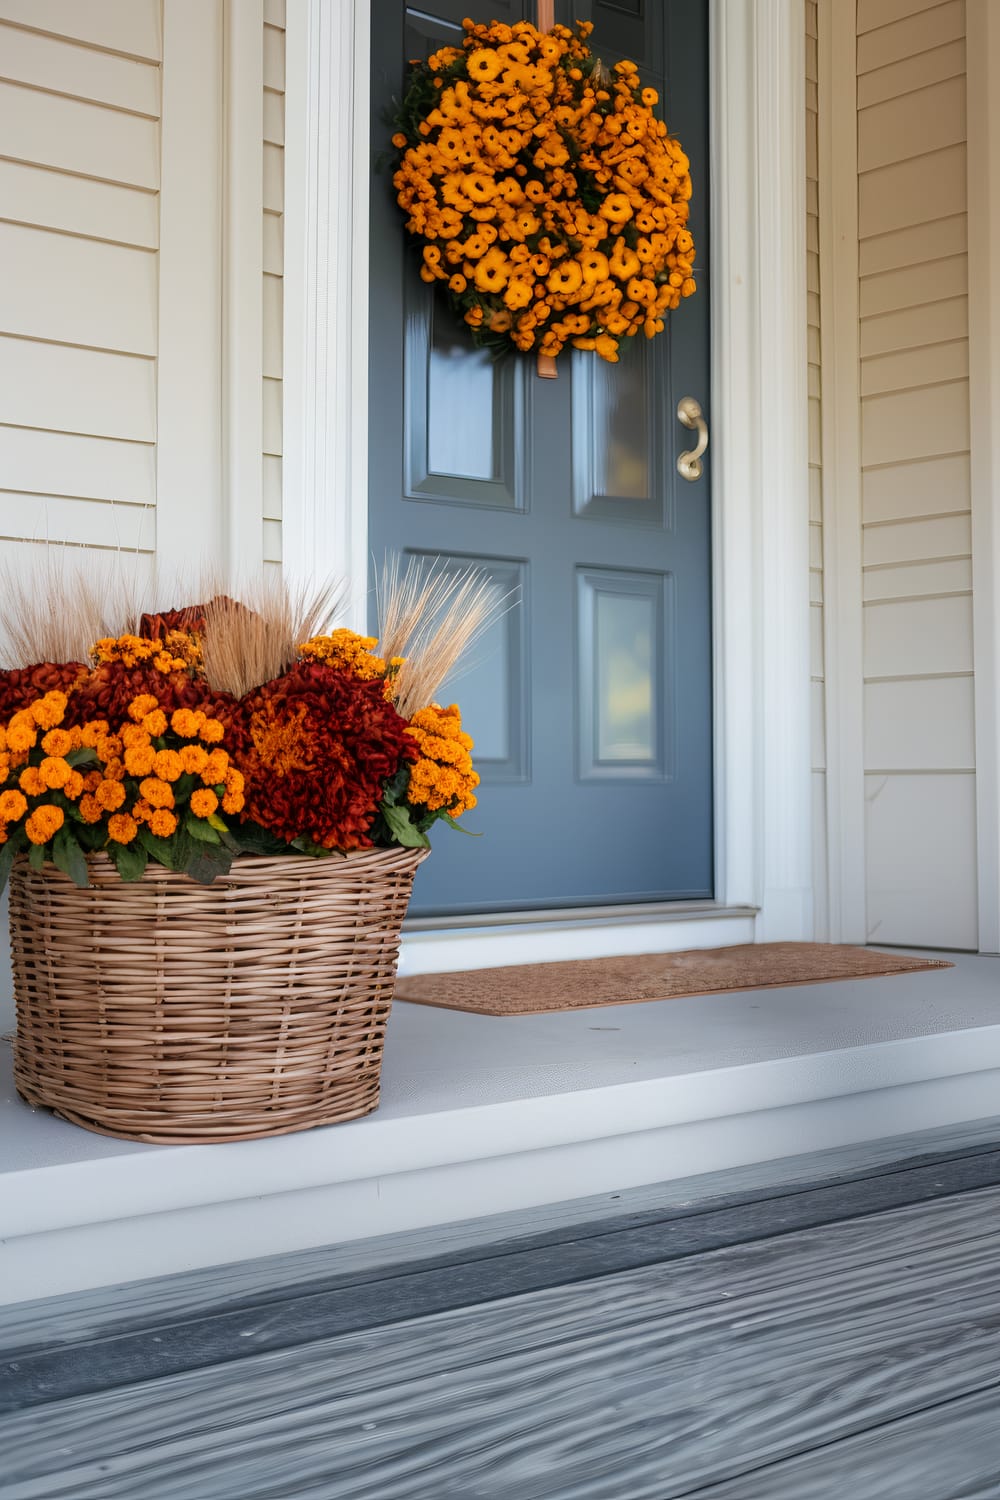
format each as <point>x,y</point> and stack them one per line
<point>548,197</point>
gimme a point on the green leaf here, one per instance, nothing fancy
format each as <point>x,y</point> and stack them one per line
<point>130,860</point>
<point>199,829</point>
<point>251,838</point>
<point>162,850</point>
<point>453,823</point>
<point>68,857</point>
<point>403,829</point>
<point>316,851</point>
<point>36,856</point>
<point>206,864</point>
<point>85,756</point>
<point>217,823</point>
<point>7,854</point>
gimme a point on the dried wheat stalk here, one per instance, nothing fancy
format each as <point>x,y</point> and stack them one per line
<point>432,617</point>
<point>250,640</point>
<point>52,612</point>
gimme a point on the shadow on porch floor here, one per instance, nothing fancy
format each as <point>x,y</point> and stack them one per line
<point>482,1115</point>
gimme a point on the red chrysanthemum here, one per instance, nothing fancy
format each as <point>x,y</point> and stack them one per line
<point>315,747</point>
<point>110,687</point>
<point>22,685</point>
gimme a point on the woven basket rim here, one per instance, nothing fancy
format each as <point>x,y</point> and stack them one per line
<point>101,862</point>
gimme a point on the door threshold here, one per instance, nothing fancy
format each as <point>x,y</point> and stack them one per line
<point>580,916</point>
<point>433,945</point>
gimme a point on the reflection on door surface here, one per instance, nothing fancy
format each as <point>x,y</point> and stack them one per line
<point>590,701</point>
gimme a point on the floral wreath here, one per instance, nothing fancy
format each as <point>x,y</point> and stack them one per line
<point>548,197</point>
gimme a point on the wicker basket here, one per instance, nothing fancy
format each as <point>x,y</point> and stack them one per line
<point>172,1012</point>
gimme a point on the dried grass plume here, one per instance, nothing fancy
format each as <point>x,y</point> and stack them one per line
<point>252,639</point>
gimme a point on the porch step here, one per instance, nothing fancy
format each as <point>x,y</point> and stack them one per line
<point>483,1115</point>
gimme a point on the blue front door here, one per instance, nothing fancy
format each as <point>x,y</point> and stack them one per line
<point>591,701</point>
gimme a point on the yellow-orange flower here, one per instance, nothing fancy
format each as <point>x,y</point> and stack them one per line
<point>155,723</point>
<point>30,781</point>
<point>20,737</point>
<point>193,758</point>
<point>48,711</point>
<point>57,742</point>
<point>215,768</point>
<point>203,803</point>
<point>140,760</point>
<point>13,805</point>
<point>186,722</point>
<point>157,793</point>
<point>73,786</point>
<point>169,765</point>
<point>122,828</point>
<point>91,810</point>
<point>162,823</point>
<point>54,771</point>
<point>44,823</point>
<point>144,704</point>
<point>110,795</point>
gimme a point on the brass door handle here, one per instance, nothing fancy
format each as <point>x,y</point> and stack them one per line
<point>689,464</point>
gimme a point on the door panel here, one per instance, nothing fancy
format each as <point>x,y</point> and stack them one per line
<point>591,701</point>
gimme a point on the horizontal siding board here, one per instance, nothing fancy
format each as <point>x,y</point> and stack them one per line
<point>921,860</point>
<point>131,27</point>
<point>272,416</point>
<point>274,12</point>
<point>272,487</point>
<point>883,373</point>
<point>932,636</point>
<point>913,327</point>
<point>274,178</point>
<point>76,137</point>
<point>926,120</point>
<point>915,424</point>
<point>912,73</point>
<point>91,523</point>
<point>77,291</point>
<point>915,580</point>
<point>81,72</point>
<point>918,541</point>
<point>875,13</point>
<point>935,487</point>
<point>78,205</point>
<point>59,463</point>
<point>274,117</point>
<point>274,247</point>
<point>272,541</point>
<point>912,192</point>
<point>914,245</point>
<point>912,33</point>
<point>920,726</point>
<point>914,286</point>
<point>77,390</point>
<point>272,326</point>
<point>274,58</point>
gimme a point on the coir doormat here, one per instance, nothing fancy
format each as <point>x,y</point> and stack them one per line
<point>534,989</point>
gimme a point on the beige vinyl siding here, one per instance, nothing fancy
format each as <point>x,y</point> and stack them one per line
<point>917,577</point>
<point>273,206</point>
<point>79,183</point>
<point>813,313</point>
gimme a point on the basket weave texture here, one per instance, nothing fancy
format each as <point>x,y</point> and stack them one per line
<point>172,1012</point>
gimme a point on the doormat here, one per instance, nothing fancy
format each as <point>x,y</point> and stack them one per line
<point>538,989</point>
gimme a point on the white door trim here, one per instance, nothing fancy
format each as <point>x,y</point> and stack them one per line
<point>983,52</point>
<point>759,407</point>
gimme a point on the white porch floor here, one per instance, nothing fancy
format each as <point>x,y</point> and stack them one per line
<point>481,1115</point>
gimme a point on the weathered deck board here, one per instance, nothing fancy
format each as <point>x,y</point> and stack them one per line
<point>645,1384</point>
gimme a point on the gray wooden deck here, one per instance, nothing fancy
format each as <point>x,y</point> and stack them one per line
<point>821,1327</point>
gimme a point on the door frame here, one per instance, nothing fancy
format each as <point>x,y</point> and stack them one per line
<point>760,502</point>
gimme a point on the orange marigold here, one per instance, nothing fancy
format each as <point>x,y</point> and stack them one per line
<point>54,771</point>
<point>44,823</point>
<point>57,742</point>
<point>348,651</point>
<point>21,736</point>
<point>74,786</point>
<point>155,723</point>
<point>122,829</point>
<point>215,768</point>
<point>186,722</point>
<point>211,731</point>
<point>162,823</point>
<point>133,735</point>
<point>168,765</point>
<point>443,779</point>
<point>140,760</point>
<point>203,802</point>
<point>157,793</point>
<point>30,781</point>
<point>13,805</point>
<point>91,810</point>
<point>142,705</point>
<point>110,795</point>
<point>49,711</point>
<point>93,732</point>
<point>193,758</point>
